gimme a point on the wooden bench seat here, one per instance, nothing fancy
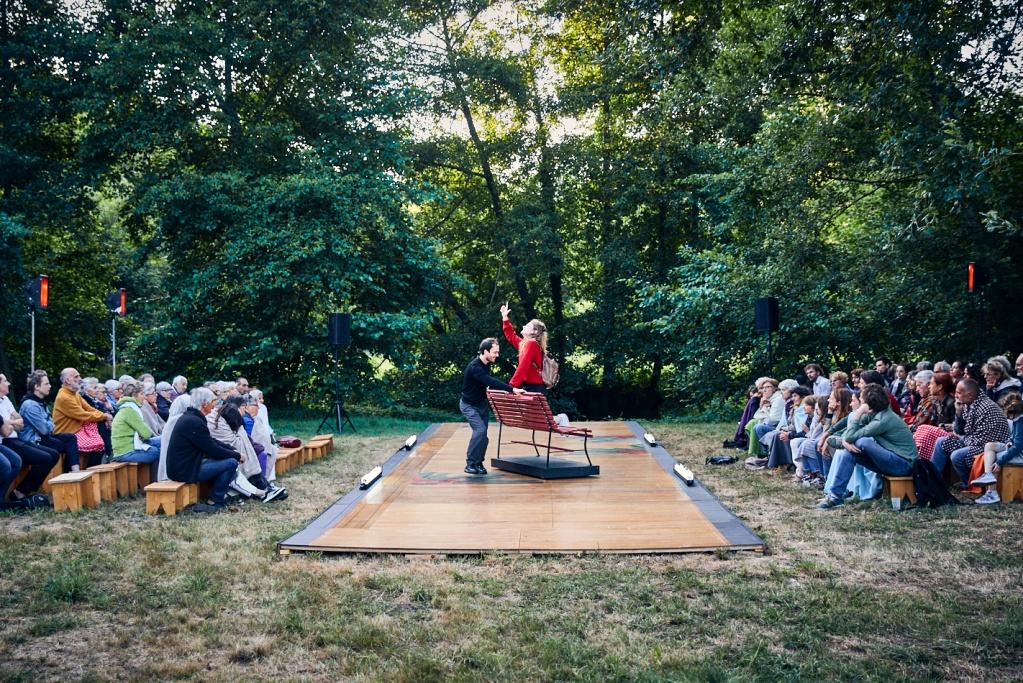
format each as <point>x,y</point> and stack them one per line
<point>533,412</point>
<point>898,490</point>
<point>1010,483</point>
<point>287,458</point>
<point>170,496</point>
<point>75,490</point>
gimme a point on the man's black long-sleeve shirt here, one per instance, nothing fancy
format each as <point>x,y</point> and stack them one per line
<point>477,379</point>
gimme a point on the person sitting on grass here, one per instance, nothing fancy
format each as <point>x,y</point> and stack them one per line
<point>130,435</point>
<point>786,388</point>
<point>812,431</point>
<point>839,380</point>
<point>875,377</point>
<point>740,438</point>
<point>875,438</point>
<point>978,421</point>
<point>997,454</point>
<point>193,455</point>
<point>820,383</point>
<point>768,415</point>
<point>794,431</point>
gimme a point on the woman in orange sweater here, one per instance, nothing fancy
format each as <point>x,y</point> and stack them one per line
<point>532,346</point>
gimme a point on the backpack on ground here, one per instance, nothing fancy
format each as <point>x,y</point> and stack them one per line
<point>929,485</point>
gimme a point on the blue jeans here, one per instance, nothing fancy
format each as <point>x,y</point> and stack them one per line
<point>147,456</point>
<point>962,461</point>
<point>873,456</point>
<point>477,417</point>
<point>222,473</point>
<point>761,430</point>
<point>10,465</point>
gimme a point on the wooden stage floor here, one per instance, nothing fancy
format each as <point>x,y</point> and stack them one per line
<point>424,503</point>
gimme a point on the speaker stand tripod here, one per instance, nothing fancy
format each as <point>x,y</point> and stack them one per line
<point>337,410</point>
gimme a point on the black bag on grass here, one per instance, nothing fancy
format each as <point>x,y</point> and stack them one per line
<point>721,460</point>
<point>931,491</point>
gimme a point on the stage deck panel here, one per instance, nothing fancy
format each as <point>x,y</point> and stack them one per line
<point>424,503</point>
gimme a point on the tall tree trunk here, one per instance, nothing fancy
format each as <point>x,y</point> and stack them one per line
<point>608,273</point>
<point>488,175</point>
<point>547,196</point>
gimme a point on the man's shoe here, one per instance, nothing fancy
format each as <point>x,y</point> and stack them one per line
<point>986,478</point>
<point>471,469</point>
<point>480,469</point>
<point>989,498</point>
<point>209,508</point>
<point>831,501</point>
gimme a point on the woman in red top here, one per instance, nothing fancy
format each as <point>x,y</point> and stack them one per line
<point>532,346</point>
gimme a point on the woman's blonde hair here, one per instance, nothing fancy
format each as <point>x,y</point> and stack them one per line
<point>540,333</point>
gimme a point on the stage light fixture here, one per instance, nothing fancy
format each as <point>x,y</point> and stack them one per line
<point>370,477</point>
<point>410,442</point>
<point>685,474</point>
<point>649,438</point>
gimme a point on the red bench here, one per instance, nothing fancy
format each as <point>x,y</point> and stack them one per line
<point>531,411</point>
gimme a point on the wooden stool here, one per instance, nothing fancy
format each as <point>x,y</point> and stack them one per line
<point>899,489</point>
<point>285,459</point>
<point>121,477</point>
<point>75,490</point>
<point>107,485</point>
<point>131,476</point>
<point>1010,483</point>
<point>170,496</point>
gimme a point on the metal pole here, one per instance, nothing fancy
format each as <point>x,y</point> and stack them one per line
<point>32,314</point>
<point>113,347</point>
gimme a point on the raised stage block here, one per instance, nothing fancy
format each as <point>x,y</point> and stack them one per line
<point>75,490</point>
<point>533,466</point>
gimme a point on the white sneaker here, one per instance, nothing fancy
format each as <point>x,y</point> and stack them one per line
<point>243,485</point>
<point>989,498</point>
<point>986,478</point>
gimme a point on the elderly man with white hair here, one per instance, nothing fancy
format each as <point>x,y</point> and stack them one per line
<point>179,385</point>
<point>193,455</point>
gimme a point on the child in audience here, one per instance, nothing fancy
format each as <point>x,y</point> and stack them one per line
<point>998,455</point>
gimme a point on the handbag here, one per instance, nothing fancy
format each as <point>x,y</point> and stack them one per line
<point>289,442</point>
<point>89,440</point>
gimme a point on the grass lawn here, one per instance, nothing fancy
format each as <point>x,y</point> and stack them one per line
<point>857,593</point>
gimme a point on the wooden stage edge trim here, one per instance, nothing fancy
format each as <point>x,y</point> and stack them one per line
<point>739,536</point>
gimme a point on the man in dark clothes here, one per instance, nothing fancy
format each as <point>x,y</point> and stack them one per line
<point>473,402</point>
<point>193,455</point>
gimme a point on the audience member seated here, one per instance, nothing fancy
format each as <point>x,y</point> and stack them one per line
<point>179,386</point>
<point>768,416</point>
<point>854,380</point>
<point>1019,366</point>
<point>153,421</point>
<point>941,366</point>
<point>821,384</point>
<point>264,433</point>
<point>785,388</point>
<point>164,398</point>
<point>43,444</point>
<point>114,394</point>
<point>883,367</point>
<point>925,365</point>
<point>131,435</point>
<point>875,438</point>
<point>997,382</point>
<point>875,377</point>
<point>809,468</point>
<point>900,381</point>
<point>909,401</point>
<point>177,409</point>
<point>997,454</point>
<point>72,415</point>
<point>978,421</point>
<point>193,455</point>
<point>10,463</point>
<point>794,429</point>
<point>262,445</point>
<point>94,394</point>
<point>226,426</point>
<point>741,439</point>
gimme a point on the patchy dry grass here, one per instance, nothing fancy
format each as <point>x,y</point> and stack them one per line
<point>857,593</point>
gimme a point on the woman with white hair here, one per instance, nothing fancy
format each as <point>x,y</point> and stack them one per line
<point>179,386</point>
<point>155,422</point>
<point>129,433</point>
<point>177,409</point>
<point>997,380</point>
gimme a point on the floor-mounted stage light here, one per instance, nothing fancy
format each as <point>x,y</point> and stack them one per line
<point>685,474</point>
<point>649,438</point>
<point>410,442</point>
<point>370,477</point>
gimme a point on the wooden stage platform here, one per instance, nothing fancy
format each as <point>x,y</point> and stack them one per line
<point>425,504</point>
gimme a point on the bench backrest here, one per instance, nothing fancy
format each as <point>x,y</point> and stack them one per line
<point>528,411</point>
